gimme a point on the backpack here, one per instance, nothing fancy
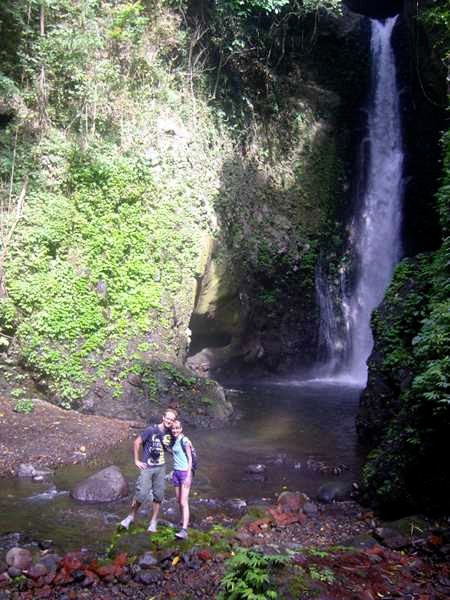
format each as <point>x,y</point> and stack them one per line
<point>194,455</point>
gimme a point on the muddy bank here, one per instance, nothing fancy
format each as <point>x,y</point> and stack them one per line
<point>50,436</point>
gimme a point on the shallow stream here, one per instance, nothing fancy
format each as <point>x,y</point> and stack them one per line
<point>298,429</point>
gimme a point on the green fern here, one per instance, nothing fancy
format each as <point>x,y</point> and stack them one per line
<point>248,576</point>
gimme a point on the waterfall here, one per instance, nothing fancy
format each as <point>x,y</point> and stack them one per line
<point>346,337</point>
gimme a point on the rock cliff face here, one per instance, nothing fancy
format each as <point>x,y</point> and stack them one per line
<point>256,300</point>
<point>376,9</point>
<point>404,413</point>
<point>391,365</point>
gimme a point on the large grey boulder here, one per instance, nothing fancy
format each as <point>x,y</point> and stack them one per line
<point>334,491</point>
<point>105,486</point>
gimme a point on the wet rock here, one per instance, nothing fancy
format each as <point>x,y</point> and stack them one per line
<point>391,538</point>
<point>288,509</point>
<point>51,561</point>
<point>88,581</point>
<point>25,470</point>
<point>14,572</point>
<point>28,471</point>
<point>205,555</point>
<point>256,469</point>
<point>37,570</point>
<point>309,508</point>
<point>134,379</point>
<point>78,575</point>
<point>278,459</point>
<point>20,558</point>
<point>147,560</point>
<point>364,541</point>
<point>244,539</point>
<point>236,504</point>
<point>150,576</point>
<point>42,474</point>
<point>124,577</point>
<point>5,579</point>
<point>291,501</point>
<point>105,486</point>
<point>255,477</point>
<point>333,491</point>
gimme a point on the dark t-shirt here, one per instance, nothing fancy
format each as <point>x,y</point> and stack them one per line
<point>154,439</point>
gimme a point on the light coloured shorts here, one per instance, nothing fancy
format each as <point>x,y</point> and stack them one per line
<point>150,484</point>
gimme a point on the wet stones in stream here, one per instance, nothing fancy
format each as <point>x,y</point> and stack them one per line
<point>255,472</point>
<point>28,471</point>
<point>181,571</point>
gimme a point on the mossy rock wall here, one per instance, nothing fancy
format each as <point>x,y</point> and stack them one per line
<point>134,182</point>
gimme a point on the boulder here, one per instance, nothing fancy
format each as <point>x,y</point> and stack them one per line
<point>147,560</point>
<point>105,486</point>
<point>391,538</point>
<point>334,490</point>
<point>236,504</point>
<point>25,470</point>
<point>288,509</point>
<point>19,558</point>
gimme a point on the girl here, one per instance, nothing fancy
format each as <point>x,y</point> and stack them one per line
<point>182,474</point>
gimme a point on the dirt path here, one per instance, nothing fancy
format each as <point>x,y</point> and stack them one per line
<point>51,436</point>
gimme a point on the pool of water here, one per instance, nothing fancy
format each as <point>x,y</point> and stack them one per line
<point>282,424</point>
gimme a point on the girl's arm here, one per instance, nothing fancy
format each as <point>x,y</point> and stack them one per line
<point>189,457</point>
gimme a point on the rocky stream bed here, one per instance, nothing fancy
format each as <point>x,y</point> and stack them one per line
<point>332,551</point>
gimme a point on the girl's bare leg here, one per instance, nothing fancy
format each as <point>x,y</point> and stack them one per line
<point>184,504</point>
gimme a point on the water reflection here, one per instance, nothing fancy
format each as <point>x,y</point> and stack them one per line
<point>281,425</point>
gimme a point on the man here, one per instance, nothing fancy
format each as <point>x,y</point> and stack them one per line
<point>151,481</point>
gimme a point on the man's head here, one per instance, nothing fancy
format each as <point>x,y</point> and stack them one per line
<point>169,417</point>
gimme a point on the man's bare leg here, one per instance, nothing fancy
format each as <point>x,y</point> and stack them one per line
<point>154,516</point>
<point>135,506</point>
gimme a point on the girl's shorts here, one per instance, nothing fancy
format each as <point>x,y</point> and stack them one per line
<point>179,477</point>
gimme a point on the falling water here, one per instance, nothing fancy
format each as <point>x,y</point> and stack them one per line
<point>375,230</point>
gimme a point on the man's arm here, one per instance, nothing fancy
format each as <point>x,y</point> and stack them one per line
<point>137,451</point>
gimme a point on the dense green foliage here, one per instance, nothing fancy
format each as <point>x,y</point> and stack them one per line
<point>104,212</point>
<point>121,160</point>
